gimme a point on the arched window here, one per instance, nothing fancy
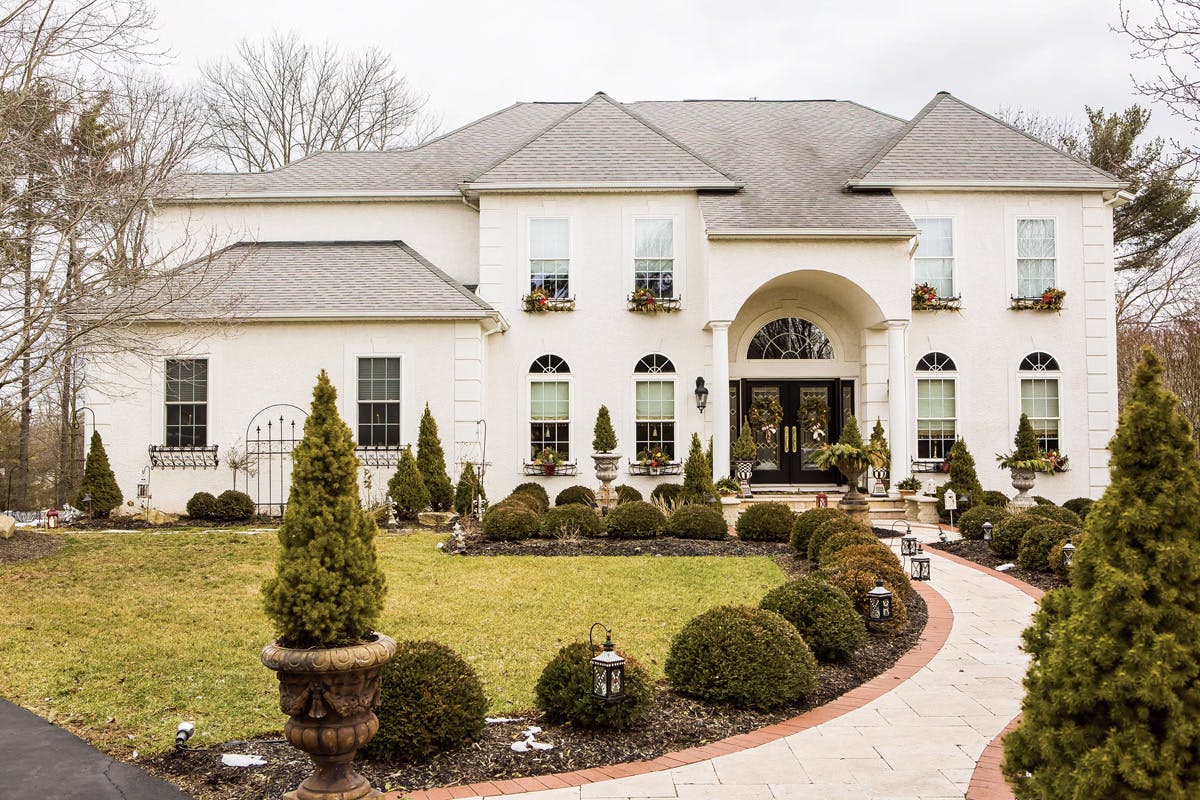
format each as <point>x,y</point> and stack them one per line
<point>549,406</point>
<point>1039,397</point>
<point>937,406</point>
<point>790,338</point>
<point>654,405</point>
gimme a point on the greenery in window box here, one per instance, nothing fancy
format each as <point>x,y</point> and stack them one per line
<point>1058,461</point>
<point>909,484</point>
<point>539,300</point>
<point>745,448</point>
<point>925,298</point>
<point>604,438</point>
<point>654,458</point>
<point>1026,455</point>
<point>548,457</point>
<point>1049,300</point>
<point>643,300</point>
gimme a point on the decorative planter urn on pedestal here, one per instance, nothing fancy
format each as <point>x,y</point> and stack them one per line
<point>607,468</point>
<point>743,471</point>
<point>328,695</point>
<point>1022,481</point>
<point>854,502</point>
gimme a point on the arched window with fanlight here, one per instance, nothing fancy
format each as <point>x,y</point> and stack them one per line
<point>549,406</point>
<point>654,405</point>
<point>790,338</point>
<point>937,406</point>
<point>1040,375</point>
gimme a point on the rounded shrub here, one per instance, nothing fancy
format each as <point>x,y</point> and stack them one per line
<point>1057,514</point>
<point>564,691</point>
<point>1039,540</point>
<point>431,700</point>
<point>879,560</point>
<point>202,505</point>
<point>1080,505</point>
<point>627,494</point>
<point>1007,536</point>
<point>994,498</point>
<point>824,615</point>
<point>1043,501</point>
<point>745,656</point>
<point>806,522</point>
<point>572,519</point>
<point>845,538</point>
<point>1055,559</point>
<point>828,528</point>
<point>856,580</point>
<point>970,524</point>
<point>575,494</point>
<point>635,520</point>
<point>234,505</point>
<point>765,522</point>
<point>524,500</point>
<point>697,522</point>
<point>508,521</point>
<point>535,489</point>
<point>669,493</point>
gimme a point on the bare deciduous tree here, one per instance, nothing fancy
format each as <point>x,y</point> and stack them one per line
<point>1170,37</point>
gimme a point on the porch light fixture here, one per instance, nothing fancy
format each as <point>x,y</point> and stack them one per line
<point>919,565</point>
<point>1068,553</point>
<point>879,603</point>
<point>608,669</point>
<point>987,530</point>
<point>701,395</point>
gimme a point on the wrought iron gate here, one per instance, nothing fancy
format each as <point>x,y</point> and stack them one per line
<point>270,438</point>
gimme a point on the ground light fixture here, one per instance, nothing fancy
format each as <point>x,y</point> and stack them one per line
<point>701,395</point>
<point>182,734</point>
<point>608,669</point>
<point>1068,553</point>
<point>987,530</point>
<point>919,565</point>
<point>879,603</point>
<point>87,501</point>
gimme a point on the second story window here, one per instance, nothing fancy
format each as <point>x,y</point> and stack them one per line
<point>934,260</point>
<point>654,256</point>
<point>550,257</point>
<point>1036,256</point>
<point>379,402</point>
<point>187,402</point>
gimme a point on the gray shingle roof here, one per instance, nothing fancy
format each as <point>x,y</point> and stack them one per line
<point>386,279</point>
<point>951,142</point>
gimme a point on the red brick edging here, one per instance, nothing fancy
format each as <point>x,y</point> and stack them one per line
<point>937,630</point>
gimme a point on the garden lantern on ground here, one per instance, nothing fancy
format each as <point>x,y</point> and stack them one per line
<point>701,395</point>
<point>87,501</point>
<point>52,518</point>
<point>987,530</point>
<point>919,565</point>
<point>879,603</point>
<point>1068,553</point>
<point>608,669</point>
<point>908,545</point>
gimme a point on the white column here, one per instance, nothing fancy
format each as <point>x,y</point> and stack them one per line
<point>718,397</point>
<point>898,421</point>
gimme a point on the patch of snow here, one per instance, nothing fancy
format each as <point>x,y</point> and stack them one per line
<point>1005,567</point>
<point>240,760</point>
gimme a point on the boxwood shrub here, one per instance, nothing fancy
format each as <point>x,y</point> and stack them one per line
<point>635,520</point>
<point>828,528</point>
<point>627,494</point>
<point>697,522</point>
<point>748,657</point>
<point>564,691</point>
<point>507,521</point>
<point>575,494</point>
<point>234,505</point>
<point>524,500</point>
<point>572,519</point>
<point>765,522</point>
<point>1040,540</point>
<point>1080,505</point>
<point>202,505</point>
<point>1057,514</point>
<point>431,700</point>
<point>845,538</point>
<point>970,524</point>
<point>535,489</point>
<point>824,615</point>
<point>806,522</point>
<point>669,494</point>
<point>994,498</point>
<point>1007,536</point>
<point>856,578</point>
<point>877,558</point>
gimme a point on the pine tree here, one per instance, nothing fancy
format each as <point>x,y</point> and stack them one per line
<point>697,475</point>
<point>604,438</point>
<point>469,488</point>
<point>98,481</point>
<point>407,488</point>
<point>963,478</point>
<point>1026,441</point>
<point>431,460</point>
<point>851,435</point>
<point>1112,705</point>
<point>327,589</point>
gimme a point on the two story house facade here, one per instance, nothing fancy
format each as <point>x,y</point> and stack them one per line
<point>550,258</point>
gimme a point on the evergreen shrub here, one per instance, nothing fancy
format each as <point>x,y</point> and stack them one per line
<point>1008,534</point>
<point>669,494</point>
<point>997,499</point>
<point>407,488</point>
<point>575,494</point>
<point>823,614</point>
<point>627,494</point>
<point>571,520</point>
<point>98,481</point>
<point>202,505</point>
<point>469,486</point>
<point>1057,514</point>
<point>846,538</point>
<point>1043,501</point>
<point>508,521</point>
<point>234,505</point>
<point>564,691</point>
<point>879,560</point>
<point>765,522</point>
<point>970,524</point>
<point>534,490</point>
<point>697,522</point>
<point>1055,559</point>
<point>1080,506</point>
<point>526,500</point>
<point>697,474</point>
<point>431,460</point>
<point>1039,541</point>
<point>828,528</point>
<point>604,438</point>
<point>807,521</point>
<point>636,519</point>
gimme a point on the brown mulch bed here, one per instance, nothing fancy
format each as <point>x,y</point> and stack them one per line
<point>27,544</point>
<point>977,551</point>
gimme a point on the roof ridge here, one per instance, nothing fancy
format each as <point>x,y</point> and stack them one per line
<point>539,134</point>
<point>651,126</point>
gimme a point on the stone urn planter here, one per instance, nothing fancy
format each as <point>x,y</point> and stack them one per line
<point>743,470</point>
<point>854,502</point>
<point>1022,481</point>
<point>328,695</point>
<point>607,466</point>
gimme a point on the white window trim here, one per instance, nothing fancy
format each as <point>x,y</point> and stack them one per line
<point>159,395</point>
<point>523,456</point>
<point>1016,243</point>
<point>676,281</point>
<point>353,410</point>
<point>920,375</point>
<point>953,251</point>
<point>1049,374</point>
<point>660,377</point>
<point>526,284</point>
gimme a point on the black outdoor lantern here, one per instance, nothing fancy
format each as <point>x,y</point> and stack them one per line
<point>908,545</point>
<point>608,670</point>
<point>1068,552</point>
<point>87,501</point>
<point>919,565</point>
<point>987,530</point>
<point>879,603</point>
<point>701,395</point>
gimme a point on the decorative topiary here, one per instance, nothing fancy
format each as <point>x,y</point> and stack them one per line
<point>765,522</point>
<point>823,614</point>
<point>1057,514</point>
<point>233,505</point>
<point>697,522</point>
<point>468,493</point>
<point>669,494</point>
<point>536,490</point>
<point>827,529</point>
<point>807,521</point>
<point>407,488</point>
<point>970,524</point>
<point>1039,541</point>
<point>431,460</point>
<point>1111,706</point>
<point>571,519</point>
<point>1080,506</point>
<point>627,494</point>
<point>1007,535</point>
<point>846,538</point>
<point>745,656</point>
<point>507,521</point>
<point>431,700</point>
<point>636,519</point>
<point>327,588</point>
<point>202,505</point>
<point>604,438</point>
<point>564,691</point>
<point>877,445</point>
<point>994,498</point>
<point>745,448</point>
<point>697,474</point>
<point>575,494</point>
<point>98,481</point>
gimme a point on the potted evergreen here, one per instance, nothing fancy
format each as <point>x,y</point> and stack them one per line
<point>745,455</point>
<point>851,457</point>
<point>324,601</point>
<point>1024,462</point>
<point>604,443</point>
<point>881,457</point>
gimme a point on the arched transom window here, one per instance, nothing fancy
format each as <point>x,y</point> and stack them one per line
<point>790,338</point>
<point>936,362</point>
<point>937,406</point>
<point>654,406</point>
<point>548,364</point>
<point>1039,398</point>
<point>549,406</point>
<point>1039,362</point>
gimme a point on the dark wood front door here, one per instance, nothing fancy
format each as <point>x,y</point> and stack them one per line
<point>790,420</point>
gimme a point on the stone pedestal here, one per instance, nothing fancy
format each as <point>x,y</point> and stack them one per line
<point>920,508</point>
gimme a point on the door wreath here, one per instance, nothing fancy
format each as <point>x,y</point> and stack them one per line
<point>814,416</point>
<point>765,415</point>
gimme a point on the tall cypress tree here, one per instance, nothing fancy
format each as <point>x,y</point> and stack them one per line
<point>963,477</point>
<point>431,460</point>
<point>697,474</point>
<point>98,481</point>
<point>1112,705</point>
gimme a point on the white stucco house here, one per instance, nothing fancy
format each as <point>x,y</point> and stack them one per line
<point>781,242</point>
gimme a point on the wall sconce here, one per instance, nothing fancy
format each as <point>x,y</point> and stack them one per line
<point>701,395</point>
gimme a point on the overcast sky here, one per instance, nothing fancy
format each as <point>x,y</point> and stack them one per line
<point>473,58</point>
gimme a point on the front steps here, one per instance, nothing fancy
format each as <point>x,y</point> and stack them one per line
<point>883,509</point>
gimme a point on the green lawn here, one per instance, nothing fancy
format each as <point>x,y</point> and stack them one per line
<point>121,636</point>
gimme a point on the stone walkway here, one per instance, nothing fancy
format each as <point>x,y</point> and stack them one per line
<point>921,740</point>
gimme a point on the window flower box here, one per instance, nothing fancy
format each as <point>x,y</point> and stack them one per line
<point>925,298</point>
<point>537,301</point>
<point>665,467</point>
<point>1049,300</point>
<point>164,457</point>
<point>643,301</point>
<point>564,468</point>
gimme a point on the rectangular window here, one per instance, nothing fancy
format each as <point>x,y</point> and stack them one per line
<point>1039,401</point>
<point>937,417</point>
<point>187,402</point>
<point>654,256</point>
<point>550,257</point>
<point>1036,249</point>
<point>654,416</point>
<point>379,402</point>
<point>934,259</point>
<point>550,417</point>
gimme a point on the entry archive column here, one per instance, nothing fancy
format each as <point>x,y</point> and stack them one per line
<point>897,400</point>
<point>719,397</point>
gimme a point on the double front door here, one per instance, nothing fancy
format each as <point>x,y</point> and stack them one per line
<point>790,420</point>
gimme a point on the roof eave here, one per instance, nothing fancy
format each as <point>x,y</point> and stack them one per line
<point>601,186</point>
<point>985,186</point>
<point>811,233</point>
<point>311,197</point>
<point>329,316</point>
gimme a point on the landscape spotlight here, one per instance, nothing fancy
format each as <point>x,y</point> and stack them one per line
<point>182,734</point>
